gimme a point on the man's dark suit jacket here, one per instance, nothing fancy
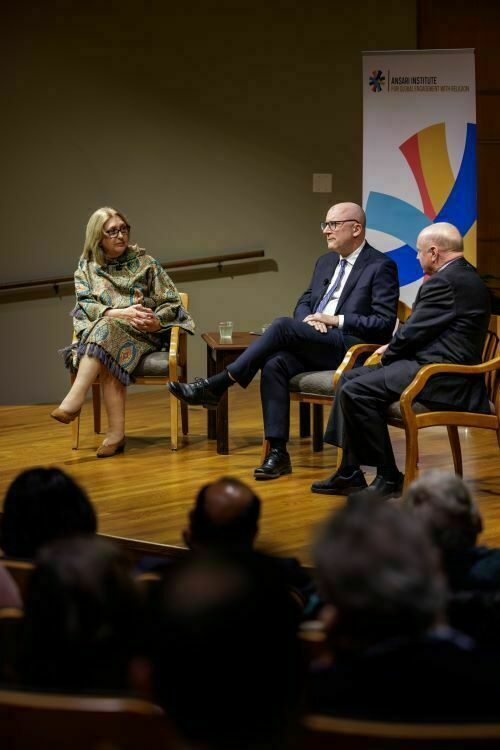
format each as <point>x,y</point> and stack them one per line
<point>448,323</point>
<point>368,301</point>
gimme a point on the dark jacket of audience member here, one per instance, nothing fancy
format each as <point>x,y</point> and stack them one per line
<point>445,505</point>
<point>224,652</point>
<point>82,618</point>
<point>42,505</point>
<point>394,658</point>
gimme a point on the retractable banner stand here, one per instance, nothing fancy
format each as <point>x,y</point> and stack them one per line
<point>419,151</point>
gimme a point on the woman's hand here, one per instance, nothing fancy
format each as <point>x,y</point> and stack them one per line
<point>140,317</point>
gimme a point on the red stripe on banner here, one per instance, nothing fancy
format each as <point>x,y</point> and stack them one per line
<point>410,151</point>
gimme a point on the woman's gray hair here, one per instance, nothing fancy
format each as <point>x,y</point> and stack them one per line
<point>92,249</point>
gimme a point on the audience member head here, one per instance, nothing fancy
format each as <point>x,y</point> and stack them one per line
<point>81,617</point>
<point>225,514</point>
<point>445,505</point>
<point>380,576</point>
<point>224,656</point>
<point>41,505</point>
<point>438,244</point>
<point>94,233</point>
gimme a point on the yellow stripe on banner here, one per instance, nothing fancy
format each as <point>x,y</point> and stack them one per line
<point>470,245</point>
<point>435,164</point>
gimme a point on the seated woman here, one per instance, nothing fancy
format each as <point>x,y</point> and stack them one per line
<point>126,305</point>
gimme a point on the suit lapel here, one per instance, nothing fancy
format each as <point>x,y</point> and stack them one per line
<point>353,277</point>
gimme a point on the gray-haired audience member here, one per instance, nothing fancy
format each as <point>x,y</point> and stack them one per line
<point>393,656</point>
<point>445,505</point>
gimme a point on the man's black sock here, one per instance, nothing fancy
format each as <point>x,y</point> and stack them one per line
<point>220,382</point>
<point>278,444</point>
<point>347,469</point>
<point>389,472</point>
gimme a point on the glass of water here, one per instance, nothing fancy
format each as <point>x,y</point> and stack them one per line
<point>226,332</point>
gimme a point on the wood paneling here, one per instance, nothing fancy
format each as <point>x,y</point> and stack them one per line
<point>446,24</point>
<point>146,492</point>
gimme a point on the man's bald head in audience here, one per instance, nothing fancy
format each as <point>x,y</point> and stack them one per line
<point>226,513</point>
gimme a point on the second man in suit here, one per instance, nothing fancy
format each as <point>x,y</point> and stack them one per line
<point>352,298</point>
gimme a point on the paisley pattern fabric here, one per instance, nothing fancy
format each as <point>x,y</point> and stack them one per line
<point>133,278</point>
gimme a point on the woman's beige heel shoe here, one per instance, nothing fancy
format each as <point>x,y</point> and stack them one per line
<point>105,451</point>
<point>64,416</point>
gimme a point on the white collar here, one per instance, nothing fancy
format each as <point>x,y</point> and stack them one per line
<point>352,258</point>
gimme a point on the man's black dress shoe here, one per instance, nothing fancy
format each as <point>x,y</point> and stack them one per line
<point>275,465</point>
<point>339,485</point>
<point>385,488</point>
<point>198,393</point>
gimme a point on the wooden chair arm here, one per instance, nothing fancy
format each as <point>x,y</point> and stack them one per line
<point>374,359</point>
<point>350,359</point>
<point>427,371</point>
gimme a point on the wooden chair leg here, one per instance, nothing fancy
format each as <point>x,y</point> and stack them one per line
<point>174,423</point>
<point>411,455</point>
<point>317,440</point>
<point>265,450</point>
<point>75,432</point>
<point>304,420</point>
<point>340,454</point>
<point>96,403</point>
<point>456,451</point>
<point>184,418</point>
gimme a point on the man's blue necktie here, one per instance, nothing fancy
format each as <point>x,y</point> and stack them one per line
<point>330,292</point>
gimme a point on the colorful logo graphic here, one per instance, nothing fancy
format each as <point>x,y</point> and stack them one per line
<point>376,80</point>
<point>444,198</point>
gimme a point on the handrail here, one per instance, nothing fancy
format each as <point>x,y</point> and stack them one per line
<point>188,263</point>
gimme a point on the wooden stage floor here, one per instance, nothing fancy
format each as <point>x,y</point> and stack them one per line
<point>146,492</point>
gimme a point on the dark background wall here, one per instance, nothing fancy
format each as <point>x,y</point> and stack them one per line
<point>203,121</point>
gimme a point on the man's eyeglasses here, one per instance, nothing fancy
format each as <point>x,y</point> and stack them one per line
<point>125,229</point>
<point>333,225</point>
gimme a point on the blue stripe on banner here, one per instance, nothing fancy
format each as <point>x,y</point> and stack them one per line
<point>391,215</point>
<point>409,269</point>
<point>460,207</point>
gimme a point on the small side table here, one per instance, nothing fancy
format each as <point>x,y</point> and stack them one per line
<point>219,356</point>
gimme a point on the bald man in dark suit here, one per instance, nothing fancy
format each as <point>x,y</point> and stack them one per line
<point>352,298</point>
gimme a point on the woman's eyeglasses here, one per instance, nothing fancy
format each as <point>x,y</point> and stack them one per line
<point>125,229</point>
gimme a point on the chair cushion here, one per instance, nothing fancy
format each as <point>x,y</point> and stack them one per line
<point>153,365</point>
<point>318,383</point>
<point>394,410</point>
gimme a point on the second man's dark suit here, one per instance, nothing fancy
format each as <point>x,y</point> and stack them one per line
<point>369,305</point>
<point>448,324</point>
